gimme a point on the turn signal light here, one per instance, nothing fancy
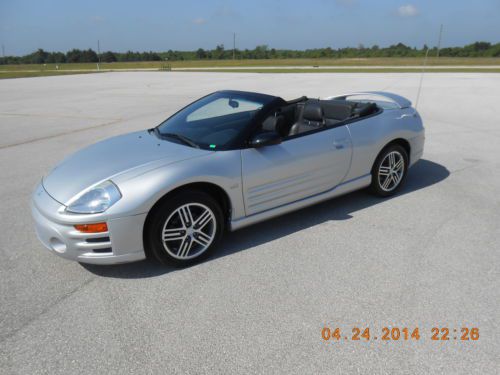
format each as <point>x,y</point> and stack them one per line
<point>92,228</point>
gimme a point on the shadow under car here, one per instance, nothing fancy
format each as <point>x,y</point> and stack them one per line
<point>423,174</point>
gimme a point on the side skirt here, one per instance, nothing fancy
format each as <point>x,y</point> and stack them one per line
<point>343,188</point>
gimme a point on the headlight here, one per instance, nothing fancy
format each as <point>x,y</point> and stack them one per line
<point>97,199</point>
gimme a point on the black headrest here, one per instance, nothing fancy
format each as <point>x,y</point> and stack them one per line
<point>365,109</point>
<point>337,110</point>
<point>313,112</point>
<point>281,126</point>
<point>273,124</point>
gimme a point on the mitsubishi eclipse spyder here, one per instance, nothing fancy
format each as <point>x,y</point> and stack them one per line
<point>226,161</point>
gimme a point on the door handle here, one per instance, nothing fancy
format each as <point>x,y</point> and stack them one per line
<point>340,143</point>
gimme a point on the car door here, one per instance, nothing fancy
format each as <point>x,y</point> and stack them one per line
<point>295,169</point>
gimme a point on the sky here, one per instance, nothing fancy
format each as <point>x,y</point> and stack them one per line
<point>144,25</point>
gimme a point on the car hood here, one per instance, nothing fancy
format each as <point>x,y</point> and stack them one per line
<point>125,154</point>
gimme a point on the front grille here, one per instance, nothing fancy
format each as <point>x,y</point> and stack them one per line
<point>105,250</point>
<point>98,245</point>
<point>97,240</point>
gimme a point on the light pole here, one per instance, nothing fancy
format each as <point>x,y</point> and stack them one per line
<point>234,46</point>
<point>439,40</point>
<point>98,54</point>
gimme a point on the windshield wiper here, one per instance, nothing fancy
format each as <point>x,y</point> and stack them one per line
<point>180,137</point>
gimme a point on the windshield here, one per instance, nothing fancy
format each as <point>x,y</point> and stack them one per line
<point>213,121</point>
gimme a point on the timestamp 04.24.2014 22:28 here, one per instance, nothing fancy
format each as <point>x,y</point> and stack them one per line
<point>333,334</point>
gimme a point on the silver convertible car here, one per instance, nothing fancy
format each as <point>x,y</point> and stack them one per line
<point>228,160</point>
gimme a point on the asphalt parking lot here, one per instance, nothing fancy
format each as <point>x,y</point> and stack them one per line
<point>428,257</point>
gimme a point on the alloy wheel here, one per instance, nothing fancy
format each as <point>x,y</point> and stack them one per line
<point>391,171</point>
<point>189,231</point>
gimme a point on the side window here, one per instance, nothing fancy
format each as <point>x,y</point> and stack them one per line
<point>223,107</point>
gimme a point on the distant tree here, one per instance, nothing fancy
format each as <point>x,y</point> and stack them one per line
<point>149,56</point>
<point>79,56</point>
<point>108,57</point>
<point>481,46</point>
<point>89,56</point>
<point>58,57</point>
<point>328,52</point>
<point>261,52</point>
<point>171,55</point>
<point>201,54</point>
<point>74,56</point>
<point>495,50</point>
<point>219,52</point>
<point>130,56</point>
<point>39,57</point>
<point>483,49</point>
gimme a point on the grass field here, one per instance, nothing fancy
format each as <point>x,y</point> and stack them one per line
<point>360,70</point>
<point>443,64</point>
<point>22,74</point>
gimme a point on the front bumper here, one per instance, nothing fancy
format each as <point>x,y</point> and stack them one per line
<point>55,229</point>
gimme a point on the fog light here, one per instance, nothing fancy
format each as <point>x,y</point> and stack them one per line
<point>57,245</point>
<point>92,228</point>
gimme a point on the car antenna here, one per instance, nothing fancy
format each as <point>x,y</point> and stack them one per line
<point>422,76</point>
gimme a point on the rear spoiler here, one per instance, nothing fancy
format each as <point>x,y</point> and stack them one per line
<point>395,98</point>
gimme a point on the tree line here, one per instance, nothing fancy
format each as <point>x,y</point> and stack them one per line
<point>477,49</point>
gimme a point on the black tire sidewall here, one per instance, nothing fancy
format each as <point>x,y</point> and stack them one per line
<point>375,185</point>
<point>163,211</point>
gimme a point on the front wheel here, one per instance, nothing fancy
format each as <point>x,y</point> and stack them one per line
<point>389,171</point>
<point>185,228</point>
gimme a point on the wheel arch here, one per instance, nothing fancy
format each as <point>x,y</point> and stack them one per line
<point>214,190</point>
<point>397,141</point>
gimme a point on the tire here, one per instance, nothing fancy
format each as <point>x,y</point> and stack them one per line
<point>185,228</point>
<point>387,177</point>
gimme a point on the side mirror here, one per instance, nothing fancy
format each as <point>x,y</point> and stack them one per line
<point>233,103</point>
<point>265,139</point>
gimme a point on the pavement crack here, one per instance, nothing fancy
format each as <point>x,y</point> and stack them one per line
<point>45,310</point>
<point>60,134</point>
<point>49,115</point>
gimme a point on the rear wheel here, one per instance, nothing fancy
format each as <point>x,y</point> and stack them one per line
<point>389,171</point>
<point>185,228</point>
